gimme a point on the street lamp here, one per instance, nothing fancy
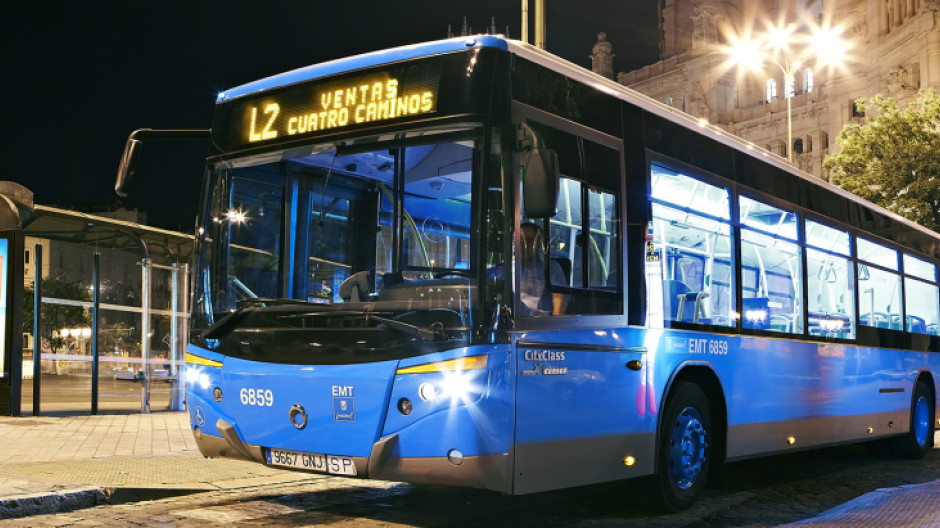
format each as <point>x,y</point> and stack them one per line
<point>783,47</point>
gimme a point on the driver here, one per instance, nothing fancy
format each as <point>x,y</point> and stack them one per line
<point>534,290</point>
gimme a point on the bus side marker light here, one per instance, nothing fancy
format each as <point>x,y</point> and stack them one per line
<point>217,394</point>
<point>634,364</point>
<point>455,457</point>
<point>871,430</point>
<point>791,440</point>
<point>629,461</point>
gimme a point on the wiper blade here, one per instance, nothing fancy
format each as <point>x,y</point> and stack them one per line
<point>408,329</point>
<point>223,325</point>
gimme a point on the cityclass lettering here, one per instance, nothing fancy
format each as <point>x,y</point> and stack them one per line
<point>715,347</point>
<point>544,355</point>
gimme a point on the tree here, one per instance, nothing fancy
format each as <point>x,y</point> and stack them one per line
<point>56,316</point>
<point>892,160</point>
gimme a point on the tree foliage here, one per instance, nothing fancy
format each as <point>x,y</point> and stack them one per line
<point>893,159</point>
<point>56,316</point>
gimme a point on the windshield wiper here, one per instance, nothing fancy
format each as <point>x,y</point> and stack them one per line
<point>221,327</point>
<point>408,329</point>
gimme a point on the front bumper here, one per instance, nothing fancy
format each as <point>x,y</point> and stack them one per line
<point>384,462</point>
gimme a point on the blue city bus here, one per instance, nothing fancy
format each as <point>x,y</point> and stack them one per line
<point>469,262</point>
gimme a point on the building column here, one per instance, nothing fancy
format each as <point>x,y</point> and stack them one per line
<point>933,56</point>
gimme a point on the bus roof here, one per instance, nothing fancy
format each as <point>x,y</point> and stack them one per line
<point>559,65</point>
<point>603,84</point>
<point>366,60</point>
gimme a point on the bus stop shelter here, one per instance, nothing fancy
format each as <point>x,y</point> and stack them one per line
<point>111,328</point>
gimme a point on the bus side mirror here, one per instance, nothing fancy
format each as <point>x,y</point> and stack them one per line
<point>128,165</point>
<point>540,183</point>
<point>132,151</point>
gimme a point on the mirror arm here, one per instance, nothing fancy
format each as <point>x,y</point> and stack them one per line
<point>132,151</point>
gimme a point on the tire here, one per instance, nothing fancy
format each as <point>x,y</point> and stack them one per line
<point>684,454</point>
<point>919,439</point>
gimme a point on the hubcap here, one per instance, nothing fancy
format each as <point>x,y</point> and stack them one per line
<point>687,448</point>
<point>921,421</point>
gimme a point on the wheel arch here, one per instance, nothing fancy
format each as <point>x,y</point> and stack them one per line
<point>703,375</point>
<point>927,377</point>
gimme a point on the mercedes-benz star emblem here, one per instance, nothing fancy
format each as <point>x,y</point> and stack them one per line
<point>298,416</point>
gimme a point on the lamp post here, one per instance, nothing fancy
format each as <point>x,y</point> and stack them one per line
<point>788,51</point>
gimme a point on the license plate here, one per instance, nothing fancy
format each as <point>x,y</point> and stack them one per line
<point>332,464</point>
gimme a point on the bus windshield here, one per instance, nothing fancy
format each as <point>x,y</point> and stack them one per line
<point>355,253</point>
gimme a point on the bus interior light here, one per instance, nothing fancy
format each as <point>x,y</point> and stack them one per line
<point>791,440</point>
<point>629,461</point>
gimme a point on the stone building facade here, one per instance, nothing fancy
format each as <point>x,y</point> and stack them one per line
<point>894,50</point>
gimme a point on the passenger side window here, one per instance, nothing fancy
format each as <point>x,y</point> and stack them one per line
<point>921,294</point>
<point>879,283</point>
<point>692,239</point>
<point>771,264</point>
<point>830,282</point>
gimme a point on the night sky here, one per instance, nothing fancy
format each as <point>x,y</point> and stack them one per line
<point>78,77</point>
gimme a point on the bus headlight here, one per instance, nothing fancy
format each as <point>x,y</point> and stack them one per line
<point>427,392</point>
<point>459,380</point>
<point>199,371</point>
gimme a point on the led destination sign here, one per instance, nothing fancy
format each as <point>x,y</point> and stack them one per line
<point>333,106</point>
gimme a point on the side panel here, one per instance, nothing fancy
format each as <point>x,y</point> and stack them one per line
<point>783,395</point>
<point>580,411</point>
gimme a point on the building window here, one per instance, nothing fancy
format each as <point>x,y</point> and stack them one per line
<point>807,80</point>
<point>824,139</point>
<point>791,83</point>
<point>669,101</point>
<point>771,89</point>
<point>808,144</point>
<point>27,256</point>
<point>798,146</point>
<point>857,109</point>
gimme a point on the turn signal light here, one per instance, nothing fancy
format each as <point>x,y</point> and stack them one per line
<point>191,359</point>
<point>453,365</point>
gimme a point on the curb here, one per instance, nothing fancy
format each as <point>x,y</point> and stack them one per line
<point>58,502</point>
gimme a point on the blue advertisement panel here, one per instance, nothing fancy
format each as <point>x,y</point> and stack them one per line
<point>4,263</point>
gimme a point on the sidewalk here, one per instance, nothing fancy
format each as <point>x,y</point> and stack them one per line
<point>52,464</point>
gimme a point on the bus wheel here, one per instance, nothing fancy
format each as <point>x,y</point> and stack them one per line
<point>684,453</point>
<point>919,439</point>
